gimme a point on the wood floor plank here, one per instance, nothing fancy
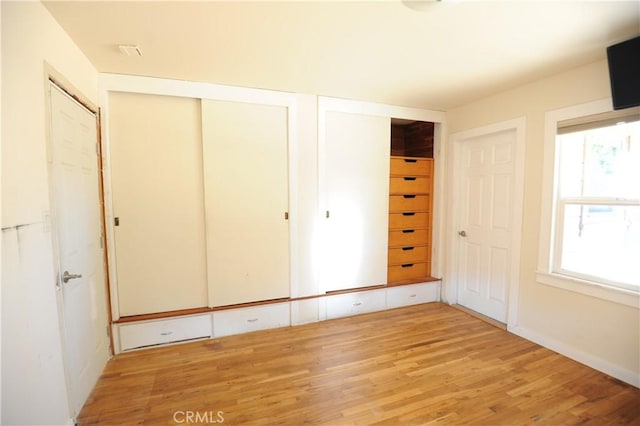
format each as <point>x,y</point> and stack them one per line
<point>425,364</point>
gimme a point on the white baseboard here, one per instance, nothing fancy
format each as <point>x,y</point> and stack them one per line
<point>582,357</point>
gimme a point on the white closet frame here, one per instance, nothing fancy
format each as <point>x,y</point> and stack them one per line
<point>306,116</point>
<point>328,104</point>
<point>156,86</point>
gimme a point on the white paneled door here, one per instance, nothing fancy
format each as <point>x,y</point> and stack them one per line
<point>486,198</point>
<point>77,222</point>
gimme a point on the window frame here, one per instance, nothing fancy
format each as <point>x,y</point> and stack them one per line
<point>548,271</point>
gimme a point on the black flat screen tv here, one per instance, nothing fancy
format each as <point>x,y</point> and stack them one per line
<point>624,73</point>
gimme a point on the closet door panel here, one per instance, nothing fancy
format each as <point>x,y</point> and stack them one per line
<point>246,197</point>
<point>157,193</point>
<point>356,167</point>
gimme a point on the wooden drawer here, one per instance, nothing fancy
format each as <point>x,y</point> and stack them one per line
<point>409,220</point>
<point>156,332</point>
<point>410,185</point>
<point>408,271</point>
<point>411,166</point>
<point>245,320</point>
<point>407,295</point>
<point>411,254</point>
<point>409,203</point>
<point>408,237</point>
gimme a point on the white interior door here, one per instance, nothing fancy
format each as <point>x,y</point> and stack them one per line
<point>356,167</point>
<point>486,190</point>
<point>246,182</point>
<point>77,220</point>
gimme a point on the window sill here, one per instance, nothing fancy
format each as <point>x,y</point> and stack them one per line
<point>590,288</point>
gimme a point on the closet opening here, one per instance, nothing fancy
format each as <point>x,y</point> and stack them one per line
<point>410,202</point>
<point>411,138</point>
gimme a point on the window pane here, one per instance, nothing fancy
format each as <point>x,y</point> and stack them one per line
<point>602,162</point>
<point>602,241</point>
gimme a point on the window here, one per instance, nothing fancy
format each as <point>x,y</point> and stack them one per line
<point>591,209</point>
<point>598,204</point>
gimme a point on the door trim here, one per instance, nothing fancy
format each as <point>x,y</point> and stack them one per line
<point>450,282</point>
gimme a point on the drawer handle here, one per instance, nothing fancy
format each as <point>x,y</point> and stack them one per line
<point>412,295</point>
<point>409,178</point>
<point>166,333</point>
<point>407,265</point>
<point>407,248</point>
<point>357,304</point>
<point>410,160</point>
<point>409,196</point>
<point>252,320</point>
<point>408,231</point>
<point>408,214</point>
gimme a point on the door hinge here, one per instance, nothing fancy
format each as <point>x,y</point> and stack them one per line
<point>286,215</point>
<point>116,221</point>
<point>327,214</point>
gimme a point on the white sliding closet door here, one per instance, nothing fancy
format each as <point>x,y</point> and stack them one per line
<point>356,166</point>
<point>246,197</point>
<point>157,192</point>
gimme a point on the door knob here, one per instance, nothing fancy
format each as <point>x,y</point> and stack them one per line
<point>462,233</point>
<point>66,276</point>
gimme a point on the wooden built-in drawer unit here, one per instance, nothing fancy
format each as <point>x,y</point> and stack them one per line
<point>408,254</point>
<point>408,237</point>
<point>410,191</point>
<point>409,220</point>
<point>408,271</point>
<point>409,185</point>
<point>411,166</point>
<point>409,203</point>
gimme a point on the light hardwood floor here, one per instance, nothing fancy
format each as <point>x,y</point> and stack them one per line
<point>416,365</point>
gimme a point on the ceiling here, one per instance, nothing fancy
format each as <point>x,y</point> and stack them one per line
<point>442,56</point>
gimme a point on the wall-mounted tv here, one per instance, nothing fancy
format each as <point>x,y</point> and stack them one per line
<point>624,73</point>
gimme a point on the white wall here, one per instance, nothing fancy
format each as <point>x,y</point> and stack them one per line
<point>33,383</point>
<point>603,334</point>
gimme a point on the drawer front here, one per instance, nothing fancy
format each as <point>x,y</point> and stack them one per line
<point>409,203</point>
<point>246,320</point>
<point>411,254</point>
<point>407,295</point>
<point>157,332</point>
<point>408,271</point>
<point>409,220</point>
<point>408,237</point>
<point>409,185</point>
<point>344,305</point>
<point>411,166</point>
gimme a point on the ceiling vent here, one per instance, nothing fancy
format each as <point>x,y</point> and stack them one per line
<point>420,5</point>
<point>130,50</point>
